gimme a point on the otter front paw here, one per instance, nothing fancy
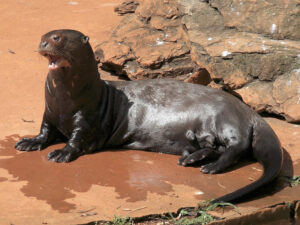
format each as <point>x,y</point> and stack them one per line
<point>210,168</point>
<point>181,160</point>
<point>67,154</point>
<point>30,144</point>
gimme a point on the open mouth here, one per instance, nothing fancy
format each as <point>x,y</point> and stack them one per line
<point>56,61</point>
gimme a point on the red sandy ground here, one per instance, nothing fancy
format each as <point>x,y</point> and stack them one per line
<point>35,191</point>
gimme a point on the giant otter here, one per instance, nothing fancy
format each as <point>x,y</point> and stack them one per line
<point>159,115</point>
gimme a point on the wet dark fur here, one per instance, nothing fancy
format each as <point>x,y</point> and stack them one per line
<point>160,115</point>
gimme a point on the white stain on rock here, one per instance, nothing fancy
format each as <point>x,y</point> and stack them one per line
<point>225,53</point>
<point>232,43</point>
<point>159,42</point>
<point>296,71</point>
<point>264,47</point>
<point>273,28</point>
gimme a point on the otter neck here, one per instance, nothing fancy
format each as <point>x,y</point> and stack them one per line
<point>71,83</point>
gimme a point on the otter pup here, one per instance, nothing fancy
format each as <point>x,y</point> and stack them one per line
<point>159,115</point>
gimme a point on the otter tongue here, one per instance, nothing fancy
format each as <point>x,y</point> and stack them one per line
<point>53,62</point>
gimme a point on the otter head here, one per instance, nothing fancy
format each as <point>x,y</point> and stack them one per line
<point>66,49</point>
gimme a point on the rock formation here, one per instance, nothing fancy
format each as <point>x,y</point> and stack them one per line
<point>249,47</point>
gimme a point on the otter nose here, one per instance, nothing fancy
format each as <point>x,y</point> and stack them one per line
<point>44,44</point>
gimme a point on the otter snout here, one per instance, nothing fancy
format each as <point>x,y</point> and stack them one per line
<point>48,48</point>
<point>43,44</point>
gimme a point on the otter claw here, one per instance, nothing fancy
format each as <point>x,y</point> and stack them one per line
<point>64,155</point>
<point>29,144</point>
<point>210,168</point>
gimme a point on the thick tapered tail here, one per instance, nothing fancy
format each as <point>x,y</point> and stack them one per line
<point>268,152</point>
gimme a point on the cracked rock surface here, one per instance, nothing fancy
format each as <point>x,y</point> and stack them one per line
<point>250,47</point>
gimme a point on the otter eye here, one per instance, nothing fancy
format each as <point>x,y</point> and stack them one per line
<point>56,38</point>
<point>85,39</point>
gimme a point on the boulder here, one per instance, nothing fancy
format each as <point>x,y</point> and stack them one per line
<point>128,6</point>
<point>277,19</point>
<point>249,48</point>
<point>149,44</point>
<point>251,62</point>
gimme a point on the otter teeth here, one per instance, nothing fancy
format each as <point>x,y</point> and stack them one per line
<point>52,66</point>
<point>53,62</point>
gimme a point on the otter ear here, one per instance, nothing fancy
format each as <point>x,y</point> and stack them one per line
<point>85,39</point>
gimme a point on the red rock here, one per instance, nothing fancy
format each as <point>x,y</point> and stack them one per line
<point>286,92</point>
<point>297,212</point>
<point>149,44</point>
<point>276,18</point>
<point>128,6</point>
<point>258,95</point>
<point>279,214</point>
<point>113,54</point>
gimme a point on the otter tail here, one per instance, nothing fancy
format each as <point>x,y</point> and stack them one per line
<point>267,151</point>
